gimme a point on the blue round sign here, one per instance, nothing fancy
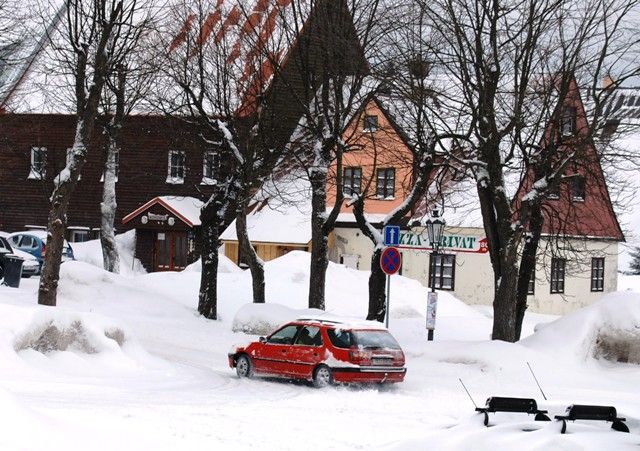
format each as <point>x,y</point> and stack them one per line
<point>390,260</point>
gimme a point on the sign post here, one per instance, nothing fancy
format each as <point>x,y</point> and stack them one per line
<point>432,307</point>
<point>390,262</point>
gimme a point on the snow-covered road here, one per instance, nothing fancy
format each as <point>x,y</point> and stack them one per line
<point>169,387</point>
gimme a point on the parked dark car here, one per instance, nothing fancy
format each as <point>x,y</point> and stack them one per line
<point>30,266</point>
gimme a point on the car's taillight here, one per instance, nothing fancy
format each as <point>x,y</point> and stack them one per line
<point>398,358</point>
<point>44,251</point>
<point>360,356</point>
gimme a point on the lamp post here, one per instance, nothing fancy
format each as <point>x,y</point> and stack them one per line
<point>435,226</point>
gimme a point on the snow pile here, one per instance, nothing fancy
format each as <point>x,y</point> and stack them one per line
<point>91,252</point>
<point>262,319</point>
<point>608,329</point>
<point>225,265</point>
<point>55,332</point>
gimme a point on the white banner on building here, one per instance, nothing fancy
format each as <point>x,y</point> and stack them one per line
<point>456,243</point>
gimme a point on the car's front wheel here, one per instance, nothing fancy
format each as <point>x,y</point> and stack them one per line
<point>322,377</point>
<point>244,367</point>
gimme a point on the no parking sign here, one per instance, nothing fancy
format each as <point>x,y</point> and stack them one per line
<point>390,260</point>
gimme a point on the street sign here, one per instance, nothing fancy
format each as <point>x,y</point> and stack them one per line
<point>391,235</point>
<point>390,260</point>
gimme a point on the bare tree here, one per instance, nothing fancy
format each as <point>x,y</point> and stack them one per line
<point>509,73</point>
<point>126,85</point>
<point>85,45</point>
<point>332,62</point>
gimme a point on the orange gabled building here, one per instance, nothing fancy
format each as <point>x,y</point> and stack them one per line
<point>379,164</point>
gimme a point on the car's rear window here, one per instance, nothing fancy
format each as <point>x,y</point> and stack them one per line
<point>341,338</point>
<point>375,339</point>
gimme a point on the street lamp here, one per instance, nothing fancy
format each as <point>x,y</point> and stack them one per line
<point>435,226</point>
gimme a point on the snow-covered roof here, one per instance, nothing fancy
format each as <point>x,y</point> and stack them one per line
<point>187,209</point>
<point>281,213</point>
<point>245,37</point>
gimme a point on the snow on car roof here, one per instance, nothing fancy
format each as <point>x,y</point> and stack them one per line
<point>344,323</point>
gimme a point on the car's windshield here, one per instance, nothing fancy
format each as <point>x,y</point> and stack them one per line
<point>375,339</point>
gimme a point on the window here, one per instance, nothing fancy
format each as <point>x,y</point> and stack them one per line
<point>531,289</point>
<point>351,181</point>
<point>176,169</point>
<point>578,187</point>
<point>210,167</point>
<point>442,271</point>
<point>38,163</point>
<point>284,336</point>
<point>370,123</point>
<point>79,236</point>
<point>557,275</point>
<point>309,336</point>
<point>386,183</point>
<point>568,121</point>
<point>341,338</point>
<point>554,191</point>
<point>597,274</point>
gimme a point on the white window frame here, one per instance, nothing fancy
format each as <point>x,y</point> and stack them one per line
<point>176,180</point>
<point>209,178</point>
<point>37,173</point>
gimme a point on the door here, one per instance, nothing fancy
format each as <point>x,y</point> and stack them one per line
<point>273,356</point>
<point>307,351</point>
<point>170,251</point>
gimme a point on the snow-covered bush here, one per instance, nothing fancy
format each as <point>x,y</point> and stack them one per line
<point>60,332</point>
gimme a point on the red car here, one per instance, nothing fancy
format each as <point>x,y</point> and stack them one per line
<point>324,352</point>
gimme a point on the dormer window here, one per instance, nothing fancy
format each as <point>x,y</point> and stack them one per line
<point>370,123</point>
<point>568,121</point>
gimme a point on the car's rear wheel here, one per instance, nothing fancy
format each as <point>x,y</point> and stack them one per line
<point>322,377</point>
<point>244,367</point>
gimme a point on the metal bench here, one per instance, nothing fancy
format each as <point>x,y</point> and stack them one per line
<point>595,413</point>
<point>521,405</point>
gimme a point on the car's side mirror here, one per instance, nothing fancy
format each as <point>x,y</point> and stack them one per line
<point>262,340</point>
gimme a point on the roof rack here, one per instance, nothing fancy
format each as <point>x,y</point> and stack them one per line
<point>320,320</point>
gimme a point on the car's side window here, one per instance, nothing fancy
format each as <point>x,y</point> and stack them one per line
<point>341,338</point>
<point>284,336</point>
<point>309,336</point>
<point>3,246</point>
<point>15,240</point>
<point>27,242</point>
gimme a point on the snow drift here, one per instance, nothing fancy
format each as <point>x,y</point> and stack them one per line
<point>608,329</point>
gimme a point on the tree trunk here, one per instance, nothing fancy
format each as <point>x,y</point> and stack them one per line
<point>377,285</point>
<point>319,239</point>
<point>256,265</point>
<point>504,303</point>
<point>110,256</point>
<point>57,222</point>
<point>527,265</point>
<point>208,296</point>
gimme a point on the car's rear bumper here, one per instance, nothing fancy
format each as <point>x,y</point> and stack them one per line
<point>368,374</point>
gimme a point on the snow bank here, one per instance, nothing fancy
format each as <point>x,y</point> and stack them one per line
<point>91,252</point>
<point>608,329</point>
<point>225,265</point>
<point>262,319</point>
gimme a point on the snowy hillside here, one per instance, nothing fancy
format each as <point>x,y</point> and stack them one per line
<point>125,362</point>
